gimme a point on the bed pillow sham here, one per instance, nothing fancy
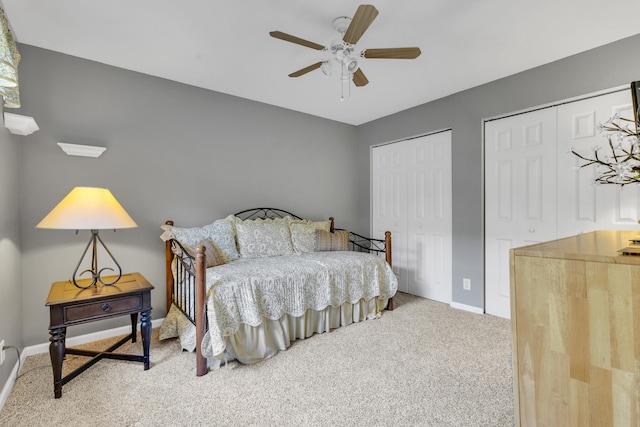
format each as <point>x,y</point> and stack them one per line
<point>303,234</point>
<point>223,234</point>
<point>221,231</point>
<point>260,238</point>
<point>327,241</point>
<point>213,257</point>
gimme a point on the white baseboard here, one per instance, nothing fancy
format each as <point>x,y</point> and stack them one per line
<point>466,307</point>
<point>71,342</point>
<point>8,385</point>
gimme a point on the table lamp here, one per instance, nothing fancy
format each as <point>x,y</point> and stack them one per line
<point>86,208</point>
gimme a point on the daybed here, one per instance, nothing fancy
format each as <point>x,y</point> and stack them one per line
<point>246,286</point>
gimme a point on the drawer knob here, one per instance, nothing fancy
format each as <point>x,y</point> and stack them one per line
<point>105,307</point>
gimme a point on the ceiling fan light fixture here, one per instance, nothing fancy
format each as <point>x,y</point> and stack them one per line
<point>341,23</point>
<point>336,45</point>
<point>340,56</point>
<point>350,63</point>
<point>327,68</point>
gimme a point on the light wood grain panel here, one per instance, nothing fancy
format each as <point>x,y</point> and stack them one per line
<point>576,331</point>
<point>578,404</point>
<point>559,412</point>
<point>622,337</point>
<point>621,318</point>
<point>636,329</point>
<point>579,354</point>
<point>599,339</point>
<point>558,322</point>
<point>517,383</point>
<point>624,394</point>
<point>600,398</point>
<point>558,312</point>
<point>544,384</point>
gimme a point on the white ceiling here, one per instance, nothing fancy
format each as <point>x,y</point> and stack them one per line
<point>225,45</point>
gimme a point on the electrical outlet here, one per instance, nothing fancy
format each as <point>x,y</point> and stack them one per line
<point>1,352</point>
<point>466,284</point>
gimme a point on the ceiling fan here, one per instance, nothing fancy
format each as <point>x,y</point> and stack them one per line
<point>342,50</point>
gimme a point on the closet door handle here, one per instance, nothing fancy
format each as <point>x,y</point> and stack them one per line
<point>532,230</point>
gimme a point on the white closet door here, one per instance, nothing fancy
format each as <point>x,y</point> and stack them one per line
<point>582,205</point>
<point>520,195</point>
<point>411,193</point>
<point>429,216</point>
<point>390,204</point>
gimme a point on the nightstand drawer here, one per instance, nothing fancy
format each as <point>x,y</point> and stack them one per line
<point>108,308</point>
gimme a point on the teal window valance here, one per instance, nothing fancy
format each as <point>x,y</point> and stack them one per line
<point>9,60</point>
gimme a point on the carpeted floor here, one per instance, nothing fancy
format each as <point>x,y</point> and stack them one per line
<point>422,364</point>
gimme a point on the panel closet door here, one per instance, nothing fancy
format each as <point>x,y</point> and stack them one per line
<point>535,190</point>
<point>389,197</point>
<point>412,198</point>
<point>429,216</point>
<point>582,205</point>
<point>520,195</point>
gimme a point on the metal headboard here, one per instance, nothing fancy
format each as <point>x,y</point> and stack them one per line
<point>265,213</point>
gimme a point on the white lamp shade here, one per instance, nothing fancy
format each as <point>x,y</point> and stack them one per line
<point>86,208</point>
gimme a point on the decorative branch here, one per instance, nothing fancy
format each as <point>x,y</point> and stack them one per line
<point>622,167</point>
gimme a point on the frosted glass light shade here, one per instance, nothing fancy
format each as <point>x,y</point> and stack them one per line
<point>87,208</point>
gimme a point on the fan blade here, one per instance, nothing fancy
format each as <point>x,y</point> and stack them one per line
<point>393,53</point>
<point>305,70</point>
<point>297,40</point>
<point>359,79</point>
<point>364,16</point>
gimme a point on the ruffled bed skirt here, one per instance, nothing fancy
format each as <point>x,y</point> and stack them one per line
<point>252,344</point>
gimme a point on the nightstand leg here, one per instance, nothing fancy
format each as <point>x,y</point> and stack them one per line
<point>56,352</point>
<point>145,333</point>
<point>134,324</point>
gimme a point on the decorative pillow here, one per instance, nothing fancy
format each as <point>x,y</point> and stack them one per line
<point>220,231</point>
<point>285,219</point>
<point>303,234</point>
<point>223,234</point>
<point>213,257</point>
<point>260,238</point>
<point>186,236</point>
<point>327,241</point>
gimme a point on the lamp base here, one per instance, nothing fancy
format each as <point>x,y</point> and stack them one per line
<point>95,273</point>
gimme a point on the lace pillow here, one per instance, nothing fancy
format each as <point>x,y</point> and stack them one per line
<point>303,234</point>
<point>213,257</point>
<point>223,234</point>
<point>327,241</point>
<point>186,236</point>
<point>260,238</point>
<point>220,231</point>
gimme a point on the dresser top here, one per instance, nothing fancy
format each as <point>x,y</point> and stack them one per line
<point>598,246</point>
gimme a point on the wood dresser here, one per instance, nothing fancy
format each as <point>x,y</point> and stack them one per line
<point>575,310</point>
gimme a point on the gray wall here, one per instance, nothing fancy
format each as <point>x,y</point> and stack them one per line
<point>602,68</point>
<point>10,278</point>
<point>173,152</point>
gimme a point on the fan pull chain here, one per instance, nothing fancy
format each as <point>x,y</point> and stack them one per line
<point>345,80</point>
<point>342,83</point>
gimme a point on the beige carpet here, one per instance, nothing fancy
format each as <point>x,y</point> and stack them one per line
<point>422,364</point>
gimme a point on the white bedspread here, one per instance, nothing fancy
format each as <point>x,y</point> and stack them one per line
<point>247,291</point>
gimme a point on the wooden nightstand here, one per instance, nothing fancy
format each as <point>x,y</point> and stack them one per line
<point>69,305</point>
